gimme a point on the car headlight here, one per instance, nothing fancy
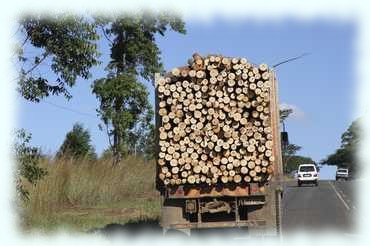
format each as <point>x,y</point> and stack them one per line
<point>299,176</point>
<point>315,175</point>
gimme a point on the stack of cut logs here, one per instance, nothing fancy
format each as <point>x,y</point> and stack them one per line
<point>214,122</point>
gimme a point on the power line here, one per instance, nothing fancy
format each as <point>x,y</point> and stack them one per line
<point>290,59</point>
<point>69,109</point>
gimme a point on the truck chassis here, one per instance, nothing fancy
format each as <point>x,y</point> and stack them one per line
<point>260,211</point>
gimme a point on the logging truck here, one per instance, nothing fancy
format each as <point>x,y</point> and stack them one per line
<point>218,145</point>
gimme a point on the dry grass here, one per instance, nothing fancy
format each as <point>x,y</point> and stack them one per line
<point>81,195</point>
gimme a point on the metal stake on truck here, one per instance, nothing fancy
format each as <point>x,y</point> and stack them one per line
<point>219,154</point>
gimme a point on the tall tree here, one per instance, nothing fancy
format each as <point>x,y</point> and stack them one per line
<point>77,144</point>
<point>284,114</point>
<point>134,54</point>
<point>65,45</point>
<point>345,155</point>
<point>123,103</point>
<point>288,150</point>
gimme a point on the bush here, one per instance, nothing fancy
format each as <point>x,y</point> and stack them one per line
<point>28,160</point>
<point>77,144</point>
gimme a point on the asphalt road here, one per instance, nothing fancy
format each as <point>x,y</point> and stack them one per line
<point>329,206</point>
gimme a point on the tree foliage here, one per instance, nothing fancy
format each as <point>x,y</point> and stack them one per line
<point>284,114</point>
<point>148,145</point>
<point>77,144</point>
<point>142,141</point>
<point>288,153</point>
<point>133,46</point>
<point>123,103</point>
<point>291,150</point>
<point>295,160</point>
<point>345,155</point>
<point>27,159</point>
<point>66,44</point>
<point>124,106</point>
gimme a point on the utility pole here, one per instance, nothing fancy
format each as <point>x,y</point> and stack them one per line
<point>284,134</point>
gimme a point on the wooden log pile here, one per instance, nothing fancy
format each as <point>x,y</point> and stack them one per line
<point>214,122</point>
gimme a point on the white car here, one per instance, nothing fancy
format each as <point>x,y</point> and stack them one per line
<point>342,173</point>
<point>307,173</point>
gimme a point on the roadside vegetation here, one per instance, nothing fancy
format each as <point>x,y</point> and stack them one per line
<point>80,194</point>
<point>77,191</point>
<point>345,155</point>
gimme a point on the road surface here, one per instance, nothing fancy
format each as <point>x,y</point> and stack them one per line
<point>329,206</point>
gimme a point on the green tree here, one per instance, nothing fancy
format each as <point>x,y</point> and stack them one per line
<point>28,159</point>
<point>77,144</point>
<point>294,161</point>
<point>288,153</point>
<point>289,150</point>
<point>148,144</point>
<point>123,103</point>
<point>345,155</point>
<point>134,54</point>
<point>284,114</point>
<point>142,141</point>
<point>64,44</point>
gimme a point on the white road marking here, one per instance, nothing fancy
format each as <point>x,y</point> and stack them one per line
<point>339,196</point>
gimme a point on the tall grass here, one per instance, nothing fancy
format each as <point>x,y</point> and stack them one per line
<point>84,194</point>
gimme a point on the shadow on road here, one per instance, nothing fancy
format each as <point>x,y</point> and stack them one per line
<point>137,228</point>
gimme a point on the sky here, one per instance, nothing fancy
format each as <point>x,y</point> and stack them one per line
<point>319,87</point>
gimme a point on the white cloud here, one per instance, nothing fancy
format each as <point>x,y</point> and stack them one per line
<point>297,114</point>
